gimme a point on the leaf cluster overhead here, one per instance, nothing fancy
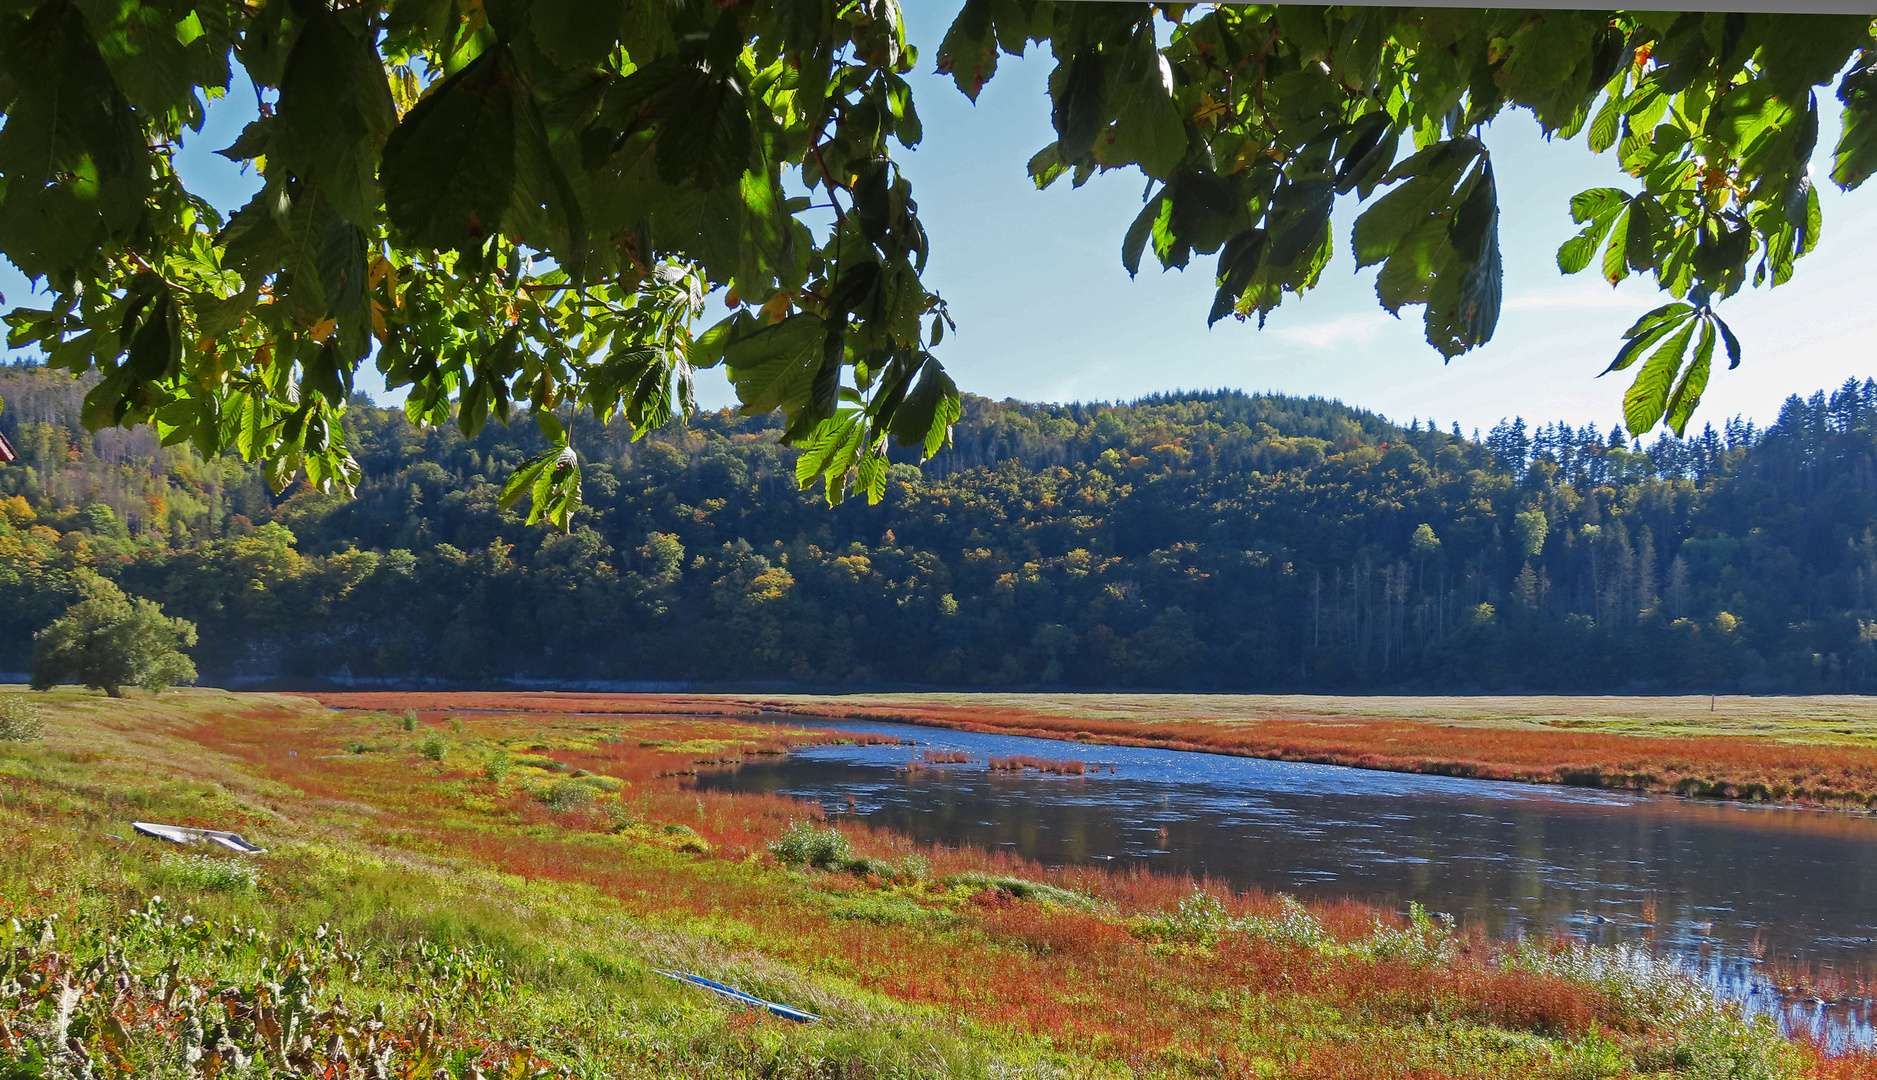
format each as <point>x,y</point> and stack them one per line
<point>506,205</point>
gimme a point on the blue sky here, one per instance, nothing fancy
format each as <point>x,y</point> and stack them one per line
<point>1046,312</point>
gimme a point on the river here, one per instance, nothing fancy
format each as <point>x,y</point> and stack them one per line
<point>1731,889</point>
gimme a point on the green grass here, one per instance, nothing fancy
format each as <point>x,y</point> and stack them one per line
<point>412,909</point>
<point>464,967</point>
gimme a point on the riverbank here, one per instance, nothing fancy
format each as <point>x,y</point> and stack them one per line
<point>491,888</point>
<point>1810,751</point>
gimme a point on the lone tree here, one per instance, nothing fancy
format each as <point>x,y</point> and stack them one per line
<point>108,641</point>
<point>511,205</point>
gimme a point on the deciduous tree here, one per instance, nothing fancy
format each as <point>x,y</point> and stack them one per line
<point>522,206</point>
<point>108,641</point>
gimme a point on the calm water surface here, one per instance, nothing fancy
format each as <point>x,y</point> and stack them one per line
<point>1726,887</point>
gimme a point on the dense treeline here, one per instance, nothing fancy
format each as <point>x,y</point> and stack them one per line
<point>1195,540</point>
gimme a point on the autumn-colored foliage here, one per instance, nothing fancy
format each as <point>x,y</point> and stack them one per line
<point>1153,973</point>
<point>1712,766</point>
<point>1032,961</point>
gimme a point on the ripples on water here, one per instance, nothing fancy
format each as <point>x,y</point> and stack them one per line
<point>1732,891</point>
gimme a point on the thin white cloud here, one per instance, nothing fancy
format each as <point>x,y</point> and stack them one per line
<point>1353,329</point>
<point>1583,297</point>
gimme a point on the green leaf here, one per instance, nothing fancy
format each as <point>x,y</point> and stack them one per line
<point>156,344</point>
<point>820,451</point>
<point>1647,397</point>
<point>1605,128</point>
<point>1046,166</point>
<point>1687,395</point>
<point>1300,212</point>
<point>1574,254</point>
<point>1615,256</point>
<point>1639,238</point>
<point>523,478</point>
<point>1392,218</point>
<point>247,420</point>
<point>1647,331</point>
<point>74,162</point>
<point>1856,156</point>
<point>874,469</point>
<point>327,375</point>
<point>707,349</point>
<point>340,260</point>
<point>545,211</point>
<point>335,109</point>
<point>1238,261</point>
<point>705,135</point>
<point>1362,149</point>
<point>1409,273</point>
<point>576,34</point>
<point>449,167</point>
<point>925,417</point>
<point>1474,235</point>
<point>1148,129</point>
<point>774,368</point>
<point>1798,51</point>
<point>1139,232</point>
<point>1732,342</point>
<point>1079,103</point>
<point>969,50</point>
<point>252,142</point>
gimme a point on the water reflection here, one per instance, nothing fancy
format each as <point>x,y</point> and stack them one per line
<point>1727,887</point>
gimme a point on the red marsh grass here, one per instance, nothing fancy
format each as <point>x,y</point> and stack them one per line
<point>1085,980</point>
<point>1098,981</point>
<point>1816,751</point>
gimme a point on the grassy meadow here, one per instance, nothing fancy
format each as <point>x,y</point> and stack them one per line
<point>451,893</point>
<point>1819,751</point>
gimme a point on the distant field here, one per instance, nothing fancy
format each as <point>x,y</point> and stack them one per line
<point>1810,750</point>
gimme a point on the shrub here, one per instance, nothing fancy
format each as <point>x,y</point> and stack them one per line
<point>1020,889</point>
<point>883,910</point>
<point>568,795</point>
<point>1200,920</point>
<point>1292,924</point>
<point>910,868</point>
<point>498,766</point>
<point>19,720</point>
<point>805,845</point>
<point>1427,939</point>
<point>209,872</point>
<point>410,719</point>
<point>685,838</point>
<point>432,747</point>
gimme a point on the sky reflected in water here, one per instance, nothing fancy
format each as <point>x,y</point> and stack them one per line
<point>1723,886</point>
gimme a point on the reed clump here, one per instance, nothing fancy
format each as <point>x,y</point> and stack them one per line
<point>1020,762</point>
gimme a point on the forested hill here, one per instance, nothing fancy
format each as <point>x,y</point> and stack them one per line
<point>1204,541</point>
